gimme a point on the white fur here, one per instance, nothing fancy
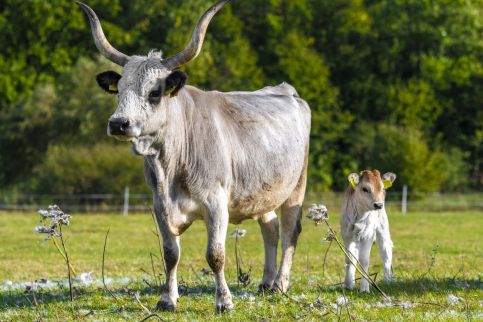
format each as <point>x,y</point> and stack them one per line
<point>360,227</point>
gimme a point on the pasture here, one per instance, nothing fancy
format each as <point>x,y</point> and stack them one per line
<point>437,265</point>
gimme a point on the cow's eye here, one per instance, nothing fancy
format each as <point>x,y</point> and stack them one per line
<point>365,189</point>
<point>155,94</point>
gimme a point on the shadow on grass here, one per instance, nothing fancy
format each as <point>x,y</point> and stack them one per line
<point>20,298</point>
<point>417,286</point>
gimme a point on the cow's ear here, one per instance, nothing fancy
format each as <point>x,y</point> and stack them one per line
<point>108,81</point>
<point>174,82</point>
<point>387,179</point>
<point>353,179</point>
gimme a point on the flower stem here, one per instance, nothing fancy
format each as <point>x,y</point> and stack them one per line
<point>68,265</point>
<point>63,255</point>
<point>355,262</point>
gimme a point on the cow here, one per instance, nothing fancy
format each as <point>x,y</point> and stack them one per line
<point>363,220</point>
<point>211,156</point>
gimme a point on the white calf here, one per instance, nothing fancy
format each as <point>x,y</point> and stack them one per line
<point>364,219</point>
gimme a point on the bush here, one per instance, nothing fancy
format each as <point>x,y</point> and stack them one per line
<point>101,168</point>
<point>403,151</point>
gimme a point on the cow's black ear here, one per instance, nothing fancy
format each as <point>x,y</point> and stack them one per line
<point>174,82</point>
<point>108,81</point>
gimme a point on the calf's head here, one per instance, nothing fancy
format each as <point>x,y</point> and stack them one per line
<point>369,188</point>
<point>148,84</point>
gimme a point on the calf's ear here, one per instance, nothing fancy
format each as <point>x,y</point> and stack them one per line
<point>174,82</point>
<point>353,179</point>
<point>108,81</point>
<point>387,179</point>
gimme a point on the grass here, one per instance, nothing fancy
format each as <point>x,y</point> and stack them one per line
<point>424,278</point>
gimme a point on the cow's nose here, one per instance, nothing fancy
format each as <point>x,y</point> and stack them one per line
<point>118,126</point>
<point>378,205</point>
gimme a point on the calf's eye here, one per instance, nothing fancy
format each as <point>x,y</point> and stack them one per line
<point>365,189</point>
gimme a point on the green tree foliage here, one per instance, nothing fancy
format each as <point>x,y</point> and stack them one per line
<point>403,151</point>
<point>80,169</point>
<point>73,111</point>
<point>396,85</point>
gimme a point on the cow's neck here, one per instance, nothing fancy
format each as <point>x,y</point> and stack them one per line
<point>167,168</point>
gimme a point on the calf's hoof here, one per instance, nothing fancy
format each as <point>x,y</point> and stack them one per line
<point>349,286</point>
<point>365,289</point>
<point>387,278</point>
<point>164,305</point>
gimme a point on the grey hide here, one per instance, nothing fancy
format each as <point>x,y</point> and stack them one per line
<point>218,157</point>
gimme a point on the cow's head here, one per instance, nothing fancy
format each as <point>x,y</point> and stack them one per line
<point>369,188</point>
<point>148,84</point>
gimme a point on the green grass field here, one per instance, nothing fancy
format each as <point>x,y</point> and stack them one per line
<point>436,255</point>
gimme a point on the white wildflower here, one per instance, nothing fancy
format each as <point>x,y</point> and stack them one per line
<point>300,297</point>
<point>238,233</point>
<point>384,304</point>
<point>317,213</point>
<point>57,218</point>
<point>342,300</point>
<point>453,299</point>
<point>406,305</point>
<point>451,312</point>
<point>85,278</point>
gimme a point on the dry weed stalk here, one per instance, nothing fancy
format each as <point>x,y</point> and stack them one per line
<point>52,221</point>
<point>319,213</point>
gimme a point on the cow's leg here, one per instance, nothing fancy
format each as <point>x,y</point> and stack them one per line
<point>172,250</point>
<point>217,225</point>
<point>364,254</point>
<point>269,227</point>
<point>350,269</point>
<point>291,228</point>
<point>385,249</point>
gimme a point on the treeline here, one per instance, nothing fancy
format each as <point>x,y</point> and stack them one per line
<point>395,85</point>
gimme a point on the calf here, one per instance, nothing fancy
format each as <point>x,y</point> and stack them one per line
<point>363,219</point>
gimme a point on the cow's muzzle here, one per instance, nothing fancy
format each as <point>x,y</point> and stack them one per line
<point>119,126</point>
<point>378,205</point>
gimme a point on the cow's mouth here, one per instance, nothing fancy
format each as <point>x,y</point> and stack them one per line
<point>143,145</point>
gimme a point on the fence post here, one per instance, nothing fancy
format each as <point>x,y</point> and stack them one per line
<point>126,201</point>
<point>404,201</point>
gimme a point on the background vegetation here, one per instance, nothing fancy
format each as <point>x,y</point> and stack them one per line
<point>393,84</point>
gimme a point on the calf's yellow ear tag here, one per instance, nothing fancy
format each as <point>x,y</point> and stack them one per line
<point>387,184</point>
<point>113,88</point>
<point>352,182</point>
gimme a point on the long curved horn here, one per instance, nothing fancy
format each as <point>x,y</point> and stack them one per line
<point>194,46</point>
<point>100,40</point>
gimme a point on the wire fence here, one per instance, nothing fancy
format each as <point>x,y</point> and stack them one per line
<point>137,203</point>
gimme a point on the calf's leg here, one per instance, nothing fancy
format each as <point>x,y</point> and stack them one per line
<point>385,248</point>
<point>364,254</point>
<point>269,227</point>
<point>350,270</point>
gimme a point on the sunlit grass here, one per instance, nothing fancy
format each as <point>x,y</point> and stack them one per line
<point>456,270</point>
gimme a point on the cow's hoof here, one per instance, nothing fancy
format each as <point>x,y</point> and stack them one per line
<point>263,288</point>
<point>276,289</point>
<point>225,307</point>
<point>165,306</point>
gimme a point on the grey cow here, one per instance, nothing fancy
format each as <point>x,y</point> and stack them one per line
<point>218,157</point>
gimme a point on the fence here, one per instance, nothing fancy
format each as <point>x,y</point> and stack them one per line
<point>126,202</point>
